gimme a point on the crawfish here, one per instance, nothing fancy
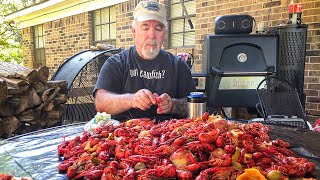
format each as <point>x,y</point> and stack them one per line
<point>286,152</point>
<point>178,142</point>
<point>280,143</point>
<point>184,174</point>
<point>209,137</point>
<point>158,129</point>
<point>205,127</point>
<point>164,171</point>
<point>165,150</point>
<point>122,151</point>
<point>309,167</point>
<point>141,149</point>
<point>119,132</point>
<point>144,122</point>
<point>224,160</point>
<point>197,146</point>
<point>110,173</point>
<point>222,125</point>
<point>110,176</point>
<point>144,159</point>
<point>248,145</point>
<point>176,123</point>
<point>90,174</point>
<point>231,138</point>
<point>197,166</point>
<point>63,167</point>
<point>217,173</point>
<point>221,141</point>
<point>130,175</point>
<point>178,131</point>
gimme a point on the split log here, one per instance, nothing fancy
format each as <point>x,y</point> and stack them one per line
<point>59,83</point>
<point>61,99</point>
<point>53,122</point>
<point>28,100</point>
<point>3,91</point>
<point>6,110</point>
<point>43,74</point>
<point>30,76</point>
<point>9,70</point>
<point>54,115</point>
<point>16,91</point>
<point>45,95</point>
<point>16,83</point>
<point>39,87</point>
<point>49,107</point>
<point>50,98</point>
<point>35,98</point>
<point>8,126</point>
<point>26,116</point>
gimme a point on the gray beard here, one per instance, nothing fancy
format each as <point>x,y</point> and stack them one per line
<point>151,53</point>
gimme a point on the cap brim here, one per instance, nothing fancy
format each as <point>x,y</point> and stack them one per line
<point>148,17</point>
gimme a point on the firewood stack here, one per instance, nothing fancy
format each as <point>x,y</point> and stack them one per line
<point>28,101</point>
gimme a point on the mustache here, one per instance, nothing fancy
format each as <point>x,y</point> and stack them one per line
<point>151,42</point>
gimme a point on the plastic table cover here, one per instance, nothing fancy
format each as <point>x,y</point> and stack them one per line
<point>35,154</point>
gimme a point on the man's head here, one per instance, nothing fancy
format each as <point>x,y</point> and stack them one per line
<point>149,27</point>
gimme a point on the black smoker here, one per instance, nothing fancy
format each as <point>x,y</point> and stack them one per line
<point>236,64</point>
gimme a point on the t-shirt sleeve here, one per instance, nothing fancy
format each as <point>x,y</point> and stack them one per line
<point>185,81</point>
<point>110,76</point>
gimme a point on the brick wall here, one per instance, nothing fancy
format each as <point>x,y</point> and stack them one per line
<point>27,46</point>
<point>66,37</point>
<point>70,35</point>
<point>63,38</point>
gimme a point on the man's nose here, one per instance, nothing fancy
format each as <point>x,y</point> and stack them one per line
<point>152,33</point>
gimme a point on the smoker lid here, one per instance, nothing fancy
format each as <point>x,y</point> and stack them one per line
<point>73,65</point>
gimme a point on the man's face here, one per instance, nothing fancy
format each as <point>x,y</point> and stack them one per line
<point>149,36</point>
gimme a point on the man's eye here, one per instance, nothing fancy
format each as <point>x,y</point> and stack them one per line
<point>159,28</point>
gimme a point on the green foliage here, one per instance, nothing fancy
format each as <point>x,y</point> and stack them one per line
<point>10,36</point>
<point>10,47</point>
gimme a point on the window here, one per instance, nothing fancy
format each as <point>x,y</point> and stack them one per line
<point>39,47</point>
<point>104,26</point>
<point>180,32</point>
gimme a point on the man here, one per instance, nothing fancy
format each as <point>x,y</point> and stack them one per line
<point>144,80</point>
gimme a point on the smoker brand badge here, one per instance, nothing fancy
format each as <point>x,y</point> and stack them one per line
<point>152,6</point>
<point>242,57</point>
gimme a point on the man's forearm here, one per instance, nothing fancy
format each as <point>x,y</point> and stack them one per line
<point>112,103</point>
<point>180,107</point>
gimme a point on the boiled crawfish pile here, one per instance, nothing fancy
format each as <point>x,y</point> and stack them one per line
<point>207,148</point>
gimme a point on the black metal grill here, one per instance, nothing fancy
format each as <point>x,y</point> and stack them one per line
<point>81,73</point>
<point>280,103</point>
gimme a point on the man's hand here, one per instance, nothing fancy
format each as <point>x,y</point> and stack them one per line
<point>143,99</point>
<point>164,103</point>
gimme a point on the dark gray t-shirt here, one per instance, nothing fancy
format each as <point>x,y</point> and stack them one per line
<point>127,72</point>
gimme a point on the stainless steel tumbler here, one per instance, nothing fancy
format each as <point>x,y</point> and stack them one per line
<point>197,104</point>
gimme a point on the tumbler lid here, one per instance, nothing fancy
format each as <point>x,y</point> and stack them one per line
<point>196,95</point>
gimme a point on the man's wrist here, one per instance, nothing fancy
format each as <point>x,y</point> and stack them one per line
<point>179,107</point>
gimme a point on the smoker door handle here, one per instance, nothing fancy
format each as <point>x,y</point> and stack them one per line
<point>217,71</point>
